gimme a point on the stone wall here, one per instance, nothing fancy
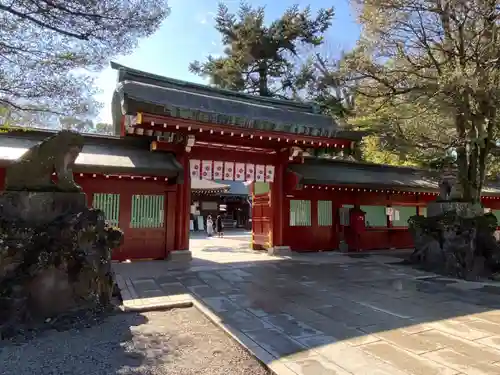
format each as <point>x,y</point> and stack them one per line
<point>55,256</point>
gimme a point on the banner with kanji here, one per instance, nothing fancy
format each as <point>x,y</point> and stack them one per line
<point>250,172</point>
<point>239,172</point>
<point>228,170</point>
<point>269,173</point>
<point>260,171</point>
<point>218,170</point>
<point>194,169</point>
<point>206,169</point>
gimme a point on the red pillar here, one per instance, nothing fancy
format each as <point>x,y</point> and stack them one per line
<point>183,206</point>
<point>277,198</point>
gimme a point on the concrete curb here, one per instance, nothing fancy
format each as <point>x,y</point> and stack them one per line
<point>158,307</point>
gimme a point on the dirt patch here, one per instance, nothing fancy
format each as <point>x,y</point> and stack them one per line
<point>176,342</point>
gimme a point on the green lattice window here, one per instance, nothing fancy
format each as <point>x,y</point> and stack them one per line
<point>147,211</point>
<point>300,213</point>
<point>375,216</point>
<point>110,205</point>
<point>260,187</point>
<point>325,217</point>
<point>401,215</point>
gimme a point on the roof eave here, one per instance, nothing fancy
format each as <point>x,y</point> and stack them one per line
<point>392,187</point>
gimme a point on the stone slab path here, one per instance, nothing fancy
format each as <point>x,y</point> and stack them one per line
<point>331,314</point>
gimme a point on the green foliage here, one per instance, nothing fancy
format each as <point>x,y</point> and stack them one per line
<point>74,123</point>
<point>103,128</point>
<point>258,59</point>
<point>49,49</point>
<point>86,126</point>
<point>11,120</point>
<point>427,74</point>
<point>490,221</point>
<point>373,151</point>
<point>493,168</point>
<point>317,81</point>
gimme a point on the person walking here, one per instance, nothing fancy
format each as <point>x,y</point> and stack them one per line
<point>219,226</point>
<point>210,226</point>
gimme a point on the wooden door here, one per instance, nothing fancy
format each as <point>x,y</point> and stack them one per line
<point>299,224</point>
<point>145,228</point>
<point>261,221</point>
<point>325,227</point>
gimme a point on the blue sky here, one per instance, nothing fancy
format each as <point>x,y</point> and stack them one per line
<point>188,34</point>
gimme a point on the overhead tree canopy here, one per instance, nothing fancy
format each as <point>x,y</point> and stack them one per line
<point>47,48</point>
<point>431,73</point>
<point>314,82</point>
<point>86,125</point>
<point>259,58</point>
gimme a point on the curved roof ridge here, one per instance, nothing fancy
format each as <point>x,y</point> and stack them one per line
<point>140,76</point>
<point>363,164</point>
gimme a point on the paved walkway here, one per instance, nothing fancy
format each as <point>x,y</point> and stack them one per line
<point>323,314</point>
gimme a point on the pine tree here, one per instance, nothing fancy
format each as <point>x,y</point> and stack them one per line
<point>259,59</point>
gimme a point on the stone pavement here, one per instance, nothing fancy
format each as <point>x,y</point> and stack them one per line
<point>325,314</point>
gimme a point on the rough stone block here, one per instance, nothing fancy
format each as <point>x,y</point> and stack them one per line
<point>39,208</point>
<point>180,256</point>
<point>55,257</point>
<point>279,251</point>
<point>439,208</point>
<point>456,239</point>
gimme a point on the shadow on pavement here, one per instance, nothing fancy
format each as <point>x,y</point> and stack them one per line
<point>351,314</point>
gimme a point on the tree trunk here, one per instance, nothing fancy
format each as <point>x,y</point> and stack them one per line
<point>462,157</point>
<point>263,83</point>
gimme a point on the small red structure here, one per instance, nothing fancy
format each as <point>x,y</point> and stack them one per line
<point>303,185</point>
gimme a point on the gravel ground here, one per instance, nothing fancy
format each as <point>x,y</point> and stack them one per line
<point>176,342</point>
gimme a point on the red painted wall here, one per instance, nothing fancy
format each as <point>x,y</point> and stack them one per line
<point>159,242</point>
<point>139,243</point>
<point>316,238</point>
<point>147,243</point>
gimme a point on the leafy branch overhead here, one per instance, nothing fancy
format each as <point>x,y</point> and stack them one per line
<point>49,48</point>
<point>429,72</point>
<point>258,59</point>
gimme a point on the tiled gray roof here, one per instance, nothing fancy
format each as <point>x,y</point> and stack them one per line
<point>200,185</point>
<point>99,155</point>
<point>222,187</point>
<point>348,173</point>
<point>336,172</point>
<point>144,92</point>
<point>236,188</point>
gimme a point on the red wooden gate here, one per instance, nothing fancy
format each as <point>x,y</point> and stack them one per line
<point>261,221</point>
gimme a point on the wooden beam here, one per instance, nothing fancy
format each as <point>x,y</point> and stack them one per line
<point>217,153</point>
<point>166,147</point>
<point>168,123</point>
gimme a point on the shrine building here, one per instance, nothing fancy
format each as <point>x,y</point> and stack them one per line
<point>178,144</point>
